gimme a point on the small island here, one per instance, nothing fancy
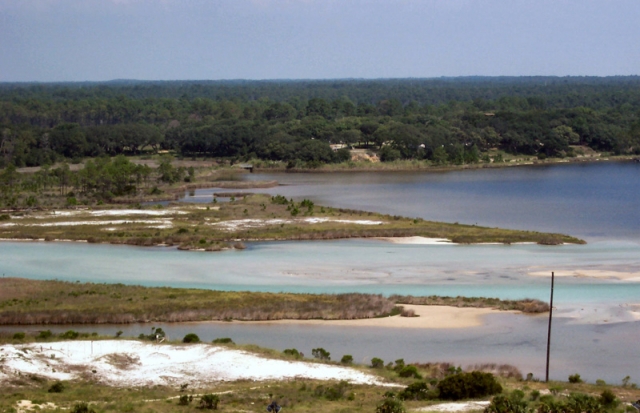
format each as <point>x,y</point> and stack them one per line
<point>32,302</point>
<point>254,217</point>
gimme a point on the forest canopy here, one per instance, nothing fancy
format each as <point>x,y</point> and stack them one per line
<point>445,120</point>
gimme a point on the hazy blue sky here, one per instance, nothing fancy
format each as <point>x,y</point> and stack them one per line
<point>59,40</point>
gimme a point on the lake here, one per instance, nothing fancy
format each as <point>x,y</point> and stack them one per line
<point>588,200</point>
<point>596,328</point>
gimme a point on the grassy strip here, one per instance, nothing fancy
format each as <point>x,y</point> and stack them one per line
<point>24,301</point>
<point>202,227</point>
<point>55,302</point>
<point>526,305</point>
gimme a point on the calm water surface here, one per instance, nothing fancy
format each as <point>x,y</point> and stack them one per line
<point>592,201</point>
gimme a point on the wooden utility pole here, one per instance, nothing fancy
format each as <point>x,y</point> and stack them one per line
<point>549,332</point>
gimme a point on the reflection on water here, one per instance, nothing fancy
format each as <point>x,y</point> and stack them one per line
<point>592,201</point>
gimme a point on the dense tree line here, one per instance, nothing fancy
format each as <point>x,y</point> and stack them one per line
<point>102,179</point>
<point>443,120</point>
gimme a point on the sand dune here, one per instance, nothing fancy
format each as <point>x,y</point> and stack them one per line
<point>125,363</point>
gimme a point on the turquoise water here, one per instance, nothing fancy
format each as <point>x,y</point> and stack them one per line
<point>343,266</point>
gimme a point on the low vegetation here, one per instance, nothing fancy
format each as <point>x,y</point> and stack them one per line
<point>217,226</point>
<point>24,301</point>
<point>55,302</point>
<point>526,305</point>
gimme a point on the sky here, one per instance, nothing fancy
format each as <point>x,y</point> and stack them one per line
<point>97,40</point>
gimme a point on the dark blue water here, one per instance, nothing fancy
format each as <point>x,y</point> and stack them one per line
<point>592,201</point>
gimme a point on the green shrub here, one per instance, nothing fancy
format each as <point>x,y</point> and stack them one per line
<point>607,398</point>
<point>346,359</point>
<point>5,217</point>
<point>191,338</point>
<point>409,371</point>
<point>517,395</point>
<point>390,405</point>
<point>19,336</point>
<point>82,407</point>
<point>222,340</point>
<point>321,354</point>
<point>601,382</point>
<point>575,378</point>
<point>333,392</point>
<point>399,365</point>
<point>417,391</point>
<point>468,385</point>
<point>155,334</point>
<point>535,395</point>
<point>43,335</point>
<point>578,402</point>
<point>69,335</point>
<point>279,200</point>
<point>388,154</point>
<point>209,401</point>
<point>292,352</point>
<point>377,363</point>
<point>504,404</point>
<point>57,387</point>
<point>184,400</point>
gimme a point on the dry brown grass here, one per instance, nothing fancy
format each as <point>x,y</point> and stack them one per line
<point>55,302</point>
<point>527,305</point>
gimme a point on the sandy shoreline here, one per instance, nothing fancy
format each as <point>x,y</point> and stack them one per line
<point>415,240</point>
<point>430,317</point>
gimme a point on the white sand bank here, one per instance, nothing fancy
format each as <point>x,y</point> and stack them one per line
<point>601,313</point>
<point>153,223</point>
<point>416,240</point>
<point>430,316</point>
<point>600,274</point>
<point>234,225</point>
<point>125,363</point>
<point>455,407</point>
<point>103,213</point>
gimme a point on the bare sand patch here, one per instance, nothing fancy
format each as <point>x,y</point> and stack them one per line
<point>160,223</point>
<point>237,224</point>
<point>455,407</point>
<point>429,316</point>
<point>126,363</point>
<point>600,274</point>
<point>27,405</point>
<point>416,240</point>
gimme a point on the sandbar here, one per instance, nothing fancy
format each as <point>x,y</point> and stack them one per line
<point>600,274</point>
<point>416,240</point>
<point>429,317</point>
